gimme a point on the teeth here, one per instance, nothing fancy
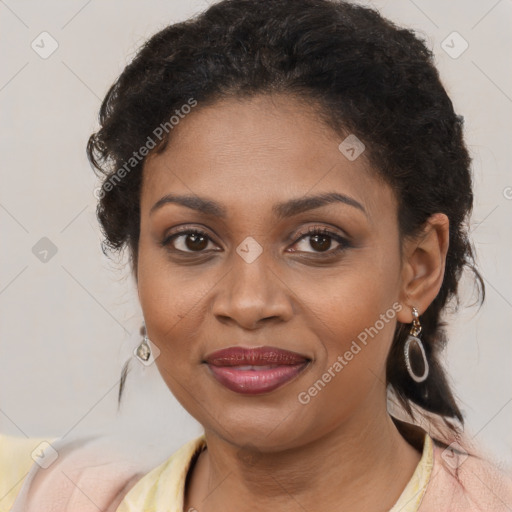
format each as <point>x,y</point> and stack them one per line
<point>253,367</point>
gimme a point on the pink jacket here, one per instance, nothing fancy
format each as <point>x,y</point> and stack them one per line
<point>87,478</point>
<point>462,483</point>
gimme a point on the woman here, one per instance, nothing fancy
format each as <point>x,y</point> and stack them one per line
<point>292,183</point>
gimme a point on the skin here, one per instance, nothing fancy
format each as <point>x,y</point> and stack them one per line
<point>340,451</point>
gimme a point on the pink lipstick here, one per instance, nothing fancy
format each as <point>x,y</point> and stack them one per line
<point>255,370</point>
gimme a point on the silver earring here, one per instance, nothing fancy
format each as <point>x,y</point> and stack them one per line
<point>147,352</point>
<point>413,338</point>
<point>143,351</point>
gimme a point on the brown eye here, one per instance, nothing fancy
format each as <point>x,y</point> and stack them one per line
<point>191,240</point>
<point>320,243</point>
<point>196,242</point>
<point>321,240</point>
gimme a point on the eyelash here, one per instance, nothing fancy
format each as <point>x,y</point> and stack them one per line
<point>315,230</point>
<point>310,232</point>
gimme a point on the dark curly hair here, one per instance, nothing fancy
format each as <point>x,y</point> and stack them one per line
<point>365,75</point>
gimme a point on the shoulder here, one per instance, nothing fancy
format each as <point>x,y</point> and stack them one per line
<point>79,475</point>
<point>17,456</point>
<point>462,482</point>
<point>163,488</point>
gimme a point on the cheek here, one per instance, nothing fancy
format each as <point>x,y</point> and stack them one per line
<point>166,307</point>
<point>166,300</point>
<point>355,329</point>
<point>174,304</point>
<point>353,311</point>
<point>164,290</point>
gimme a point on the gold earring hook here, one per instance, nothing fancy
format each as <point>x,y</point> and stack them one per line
<point>416,326</point>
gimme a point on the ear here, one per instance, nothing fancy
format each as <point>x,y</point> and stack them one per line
<point>424,260</point>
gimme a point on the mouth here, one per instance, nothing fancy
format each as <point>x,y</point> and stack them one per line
<point>255,370</point>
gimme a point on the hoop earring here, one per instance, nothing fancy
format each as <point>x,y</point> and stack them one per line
<point>413,338</point>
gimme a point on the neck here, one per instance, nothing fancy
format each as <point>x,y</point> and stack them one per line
<point>351,468</point>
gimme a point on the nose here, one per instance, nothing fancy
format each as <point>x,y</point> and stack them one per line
<point>252,294</point>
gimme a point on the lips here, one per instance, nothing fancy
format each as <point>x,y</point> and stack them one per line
<point>255,370</point>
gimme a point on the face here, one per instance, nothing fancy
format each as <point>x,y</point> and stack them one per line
<point>249,262</point>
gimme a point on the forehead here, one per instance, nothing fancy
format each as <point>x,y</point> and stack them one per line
<point>259,150</point>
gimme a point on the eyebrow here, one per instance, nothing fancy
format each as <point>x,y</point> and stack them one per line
<point>280,210</point>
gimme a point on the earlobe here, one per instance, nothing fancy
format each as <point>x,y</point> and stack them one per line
<point>424,265</point>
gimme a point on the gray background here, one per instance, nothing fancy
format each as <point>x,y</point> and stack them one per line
<point>67,324</point>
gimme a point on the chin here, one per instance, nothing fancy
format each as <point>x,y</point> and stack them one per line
<point>268,427</point>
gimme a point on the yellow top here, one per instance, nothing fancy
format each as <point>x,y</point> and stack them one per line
<point>15,462</point>
<point>162,489</point>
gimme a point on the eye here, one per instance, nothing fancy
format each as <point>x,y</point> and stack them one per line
<point>187,240</point>
<point>195,240</point>
<point>321,240</point>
